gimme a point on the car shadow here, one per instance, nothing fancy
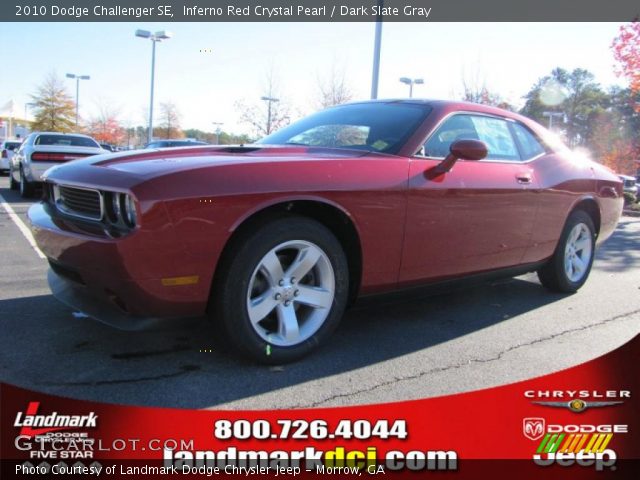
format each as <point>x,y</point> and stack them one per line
<point>14,197</point>
<point>46,347</point>
<point>620,252</point>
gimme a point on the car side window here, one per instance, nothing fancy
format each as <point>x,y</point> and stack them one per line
<point>530,146</point>
<point>494,132</point>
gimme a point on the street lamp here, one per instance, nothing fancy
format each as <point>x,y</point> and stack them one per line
<point>218,124</point>
<point>411,82</point>
<point>551,115</point>
<point>154,37</point>
<point>269,100</point>
<point>78,78</point>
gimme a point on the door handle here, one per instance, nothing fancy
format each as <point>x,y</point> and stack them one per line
<point>523,178</point>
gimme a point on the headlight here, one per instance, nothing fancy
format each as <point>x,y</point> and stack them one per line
<point>115,207</point>
<point>129,210</point>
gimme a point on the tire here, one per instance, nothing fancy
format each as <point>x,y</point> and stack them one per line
<point>569,267</point>
<point>258,276</point>
<point>13,185</point>
<point>25,187</point>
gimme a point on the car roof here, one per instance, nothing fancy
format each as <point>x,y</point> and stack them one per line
<point>61,134</point>
<point>626,177</point>
<point>449,105</point>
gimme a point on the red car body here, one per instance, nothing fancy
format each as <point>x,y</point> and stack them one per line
<point>399,227</point>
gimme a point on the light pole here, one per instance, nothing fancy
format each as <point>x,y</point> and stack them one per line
<point>218,124</point>
<point>551,115</point>
<point>154,37</point>
<point>411,82</point>
<point>78,78</point>
<point>376,53</point>
<point>269,100</point>
<point>27,106</point>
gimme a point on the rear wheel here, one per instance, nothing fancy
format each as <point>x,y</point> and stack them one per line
<point>26,187</point>
<point>13,185</point>
<point>283,289</point>
<point>571,263</point>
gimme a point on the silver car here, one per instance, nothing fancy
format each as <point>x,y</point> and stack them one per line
<point>42,150</point>
<point>7,148</point>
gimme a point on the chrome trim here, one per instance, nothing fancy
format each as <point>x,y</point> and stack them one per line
<point>58,202</point>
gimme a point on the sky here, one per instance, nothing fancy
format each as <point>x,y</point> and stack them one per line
<point>206,67</point>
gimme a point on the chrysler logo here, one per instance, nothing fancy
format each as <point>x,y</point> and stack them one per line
<point>533,428</point>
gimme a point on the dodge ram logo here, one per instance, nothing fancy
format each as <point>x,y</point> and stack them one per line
<point>533,428</point>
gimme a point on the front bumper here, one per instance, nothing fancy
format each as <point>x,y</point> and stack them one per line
<point>116,281</point>
<point>82,299</point>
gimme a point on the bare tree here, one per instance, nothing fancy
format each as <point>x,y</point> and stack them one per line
<point>475,90</point>
<point>271,113</point>
<point>170,120</point>
<point>333,88</point>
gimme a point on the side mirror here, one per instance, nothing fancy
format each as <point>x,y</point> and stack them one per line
<point>465,149</point>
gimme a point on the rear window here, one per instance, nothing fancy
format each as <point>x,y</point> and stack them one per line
<point>66,140</point>
<point>11,145</point>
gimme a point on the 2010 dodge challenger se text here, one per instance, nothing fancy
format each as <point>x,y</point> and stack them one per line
<point>273,240</point>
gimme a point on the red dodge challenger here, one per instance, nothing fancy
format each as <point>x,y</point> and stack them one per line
<point>273,240</point>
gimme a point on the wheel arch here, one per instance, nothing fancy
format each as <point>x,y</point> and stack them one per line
<point>329,214</point>
<point>590,206</point>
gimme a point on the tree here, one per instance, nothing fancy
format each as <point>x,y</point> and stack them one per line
<point>574,94</point>
<point>54,108</point>
<point>169,121</point>
<point>475,90</point>
<point>333,89</point>
<point>268,115</point>
<point>105,127</point>
<point>626,51</point>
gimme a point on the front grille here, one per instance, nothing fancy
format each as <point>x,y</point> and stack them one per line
<point>79,202</point>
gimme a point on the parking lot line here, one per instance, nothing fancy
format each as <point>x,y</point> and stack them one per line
<point>23,228</point>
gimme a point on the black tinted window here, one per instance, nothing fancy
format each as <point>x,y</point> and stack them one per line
<point>65,140</point>
<point>381,127</point>
<point>11,145</point>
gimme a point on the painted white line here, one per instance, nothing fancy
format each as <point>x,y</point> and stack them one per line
<point>20,224</point>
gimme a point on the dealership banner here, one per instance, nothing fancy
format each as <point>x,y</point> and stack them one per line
<point>317,11</point>
<point>578,423</point>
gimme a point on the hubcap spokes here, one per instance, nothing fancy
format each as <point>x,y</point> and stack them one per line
<point>577,253</point>
<point>291,293</point>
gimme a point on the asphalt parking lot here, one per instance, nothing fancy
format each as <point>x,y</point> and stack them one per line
<point>392,350</point>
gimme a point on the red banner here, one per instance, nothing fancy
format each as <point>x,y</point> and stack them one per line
<point>578,423</point>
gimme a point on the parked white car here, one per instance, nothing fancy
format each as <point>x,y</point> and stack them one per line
<point>7,149</point>
<point>41,151</point>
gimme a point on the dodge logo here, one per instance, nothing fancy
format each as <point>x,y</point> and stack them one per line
<point>533,428</point>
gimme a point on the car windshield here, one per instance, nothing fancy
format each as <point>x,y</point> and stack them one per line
<point>66,140</point>
<point>378,127</point>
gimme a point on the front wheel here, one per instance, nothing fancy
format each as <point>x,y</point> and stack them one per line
<point>282,291</point>
<point>569,267</point>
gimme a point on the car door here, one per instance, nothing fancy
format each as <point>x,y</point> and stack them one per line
<point>478,216</point>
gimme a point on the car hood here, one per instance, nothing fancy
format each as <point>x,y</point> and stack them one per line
<point>147,164</point>
<point>124,171</point>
